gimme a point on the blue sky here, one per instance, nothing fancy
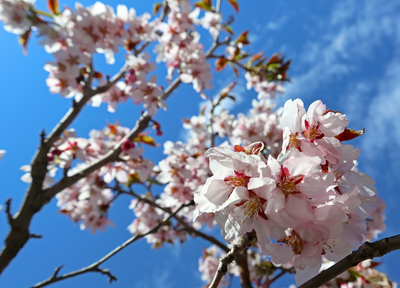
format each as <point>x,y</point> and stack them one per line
<point>346,53</point>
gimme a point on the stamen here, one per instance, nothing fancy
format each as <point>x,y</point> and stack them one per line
<point>288,184</point>
<point>295,241</point>
<point>239,179</point>
<point>249,208</point>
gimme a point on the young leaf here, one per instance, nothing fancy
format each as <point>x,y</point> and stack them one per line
<point>23,41</point>
<point>228,29</point>
<point>242,38</point>
<point>220,63</point>
<point>156,7</point>
<point>53,6</point>
<point>349,134</point>
<point>235,70</point>
<point>143,138</point>
<point>235,5</point>
<point>205,5</point>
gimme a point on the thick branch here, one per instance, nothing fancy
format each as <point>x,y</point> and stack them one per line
<point>231,256</point>
<point>95,266</point>
<point>36,197</point>
<point>366,251</point>
<point>242,262</point>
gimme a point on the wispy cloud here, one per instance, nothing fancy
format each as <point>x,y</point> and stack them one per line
<point>383,119</point>
<point>261,30</point>
<point>161,278</point>
<point>353,31</point>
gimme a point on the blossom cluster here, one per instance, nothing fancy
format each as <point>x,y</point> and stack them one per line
<point>285,173</point>
<point>309,202</point>
<point>184,171</point>
<point>147,217</point>
<point>361,276</point>
<point>180,48</point>
<point>89,199</point>
<point>75,35</point>
<point>208,265</point>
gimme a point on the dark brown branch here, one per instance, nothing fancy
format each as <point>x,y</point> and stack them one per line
<point>8,212</point>
<point>232,255</point>
<point>95,266</point>
<point>279,275</point>
<point>244,275</point>
<point>366,251</point>
<point>36,197</point>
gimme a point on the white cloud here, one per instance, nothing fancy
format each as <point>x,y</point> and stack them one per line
<point>162,279</point>
<point>354,30</point>
<point>383,120</point>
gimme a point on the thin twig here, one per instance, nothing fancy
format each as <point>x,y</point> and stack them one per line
<point>366,251</point>
<point>187,226</point>
<point>279,275</point>
<point>36,197</point>
<point>218,9</point>
<point>231,256</point>
<point>95,266</point>
<point>113,154</point>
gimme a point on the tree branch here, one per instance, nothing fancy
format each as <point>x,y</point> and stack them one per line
<point>244,275</point>
<point>8,212</point>
<point>35,197</point>
<point>218,9</point>
<point>233,254</point>
<point>95,266</point>
<point>113,154</point>
<point>187,226</point>
<point>366,251</point>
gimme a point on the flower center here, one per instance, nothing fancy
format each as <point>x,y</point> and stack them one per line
<point>249,208</point>
<point>239,179</point>
<point>295,241</point>
<point>294,143</point>
<point>288,184</point>
<point>312,132</point>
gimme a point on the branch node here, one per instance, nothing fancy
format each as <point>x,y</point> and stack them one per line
<point>35,236</point>
<point>111,277</point>
<point>65,172</point>
<point>56,271</point>
<point>8,212</point>
<point>42,137</point>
